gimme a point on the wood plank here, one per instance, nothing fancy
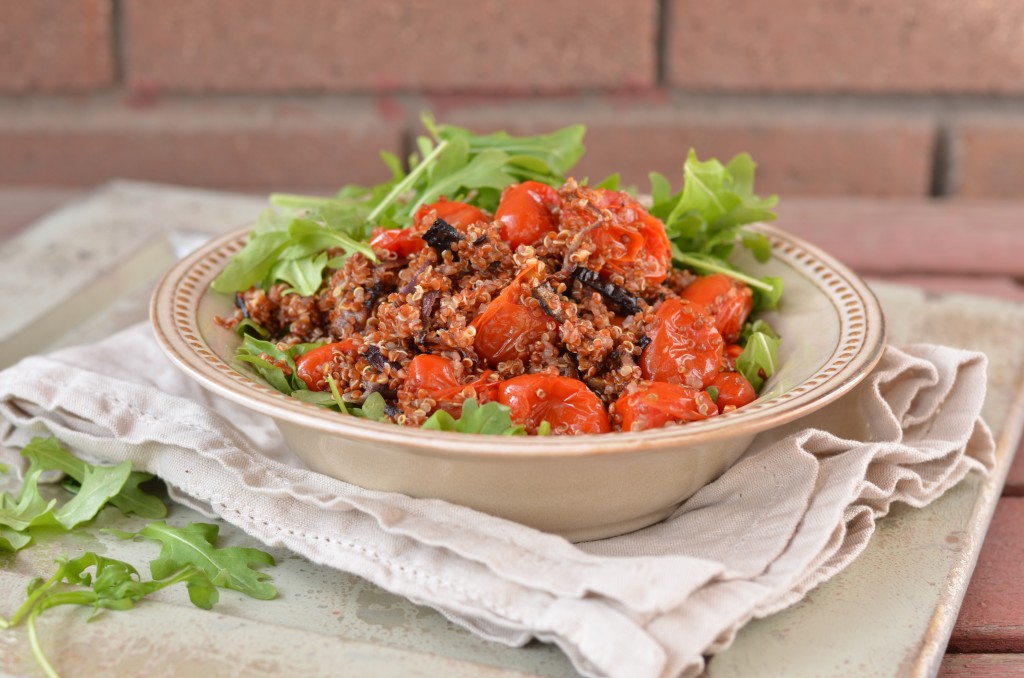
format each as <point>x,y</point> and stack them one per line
<point>981,665</point>
<point>992,615</point>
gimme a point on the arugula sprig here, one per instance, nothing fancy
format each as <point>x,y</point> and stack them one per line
<point>188,555</point>
<point>287,242</point>
<point>489,419</point>
<point>195,544</point>
<point>112,585</point>
<point>93,487</point>
<point>708,216</point>
<point>760,357</point>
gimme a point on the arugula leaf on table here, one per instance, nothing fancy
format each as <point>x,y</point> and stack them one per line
<point>29,508</point>
<point>112,585</point>
<point>490,419</point>
<point>99,485</point>
<point>93,488</point>
<point>195,544</point>
<point>50,456</point>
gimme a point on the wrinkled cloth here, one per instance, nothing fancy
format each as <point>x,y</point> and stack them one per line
<point>796,509</point>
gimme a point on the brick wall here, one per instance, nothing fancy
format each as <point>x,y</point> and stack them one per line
<point>855,97</point>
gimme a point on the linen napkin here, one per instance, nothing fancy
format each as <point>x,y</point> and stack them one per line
<point>797,508</point>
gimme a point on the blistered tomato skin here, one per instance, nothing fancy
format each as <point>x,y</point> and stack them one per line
<point>401,241</point>
<point>726,299</point>
<point>458,214</point>
<point>652,246</point>
<point>438,377</point>
<point>310,367</point>
<point>657,403</point>
<point>526,213</point>
<point>508,326</point>
<point>685,347</point>
<point>733,391</point>
<point>566,404</point>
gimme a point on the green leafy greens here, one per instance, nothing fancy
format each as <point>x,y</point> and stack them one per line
<point>760,357</point>
<point>705,219</point>
<point>288,241</point>
<point>93,488</point>
<point>112,585</point>
<point>188,555</point>
<point>195,544</point>
<point>489,419</point>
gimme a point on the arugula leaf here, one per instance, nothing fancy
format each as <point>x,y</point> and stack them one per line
<point>99,485</point>
<point>28,509</point>
<point>559,150</point>
<point>50,456</point>
<point>760,357</point>
<point>490,419</point>
<point>372,408</point>
<point>455,163</point>
<point>112,585</point>
<point>195,544</point>
<point>284,379</point>
<point>93,488</point>
<point>706,218</point>
<point>133,499</point>
<point>253,264</point>
<point>12,540</point>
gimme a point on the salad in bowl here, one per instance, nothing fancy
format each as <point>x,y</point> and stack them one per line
<point>487,289</point>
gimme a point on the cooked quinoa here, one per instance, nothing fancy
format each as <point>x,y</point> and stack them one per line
<point>579,302</point>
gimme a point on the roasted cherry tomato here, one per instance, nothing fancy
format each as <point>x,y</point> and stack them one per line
<point>438,376</point>
<point>685,347</point>
<point>458,214</point>
<point>311,366</point>
<point>728,300</point>
<point>567,404</point>
<point>507,326</point>
<point>658,403</point>
<point>733,390</point>
<point>401,241</point>
<point>526,213</point>
<point>653,247</point>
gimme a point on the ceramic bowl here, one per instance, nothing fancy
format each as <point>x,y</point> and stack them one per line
<point>582,487</point>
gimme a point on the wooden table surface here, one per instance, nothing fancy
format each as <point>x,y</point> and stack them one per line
<point>940,246</point>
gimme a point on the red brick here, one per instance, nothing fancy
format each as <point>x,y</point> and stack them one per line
<point>848,45</point>
<point>348,45</point>
<point>991,160</point>
<point>797,154</point>
<point>234,144</point>
<point>981,666</point>
<point>907,237</point>
<point>992,615</point>
<point>55,45</point>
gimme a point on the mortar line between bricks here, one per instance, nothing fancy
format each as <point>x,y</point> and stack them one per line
<point>117,42</point>
<point>943,163</point>
<point>661,43</point>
